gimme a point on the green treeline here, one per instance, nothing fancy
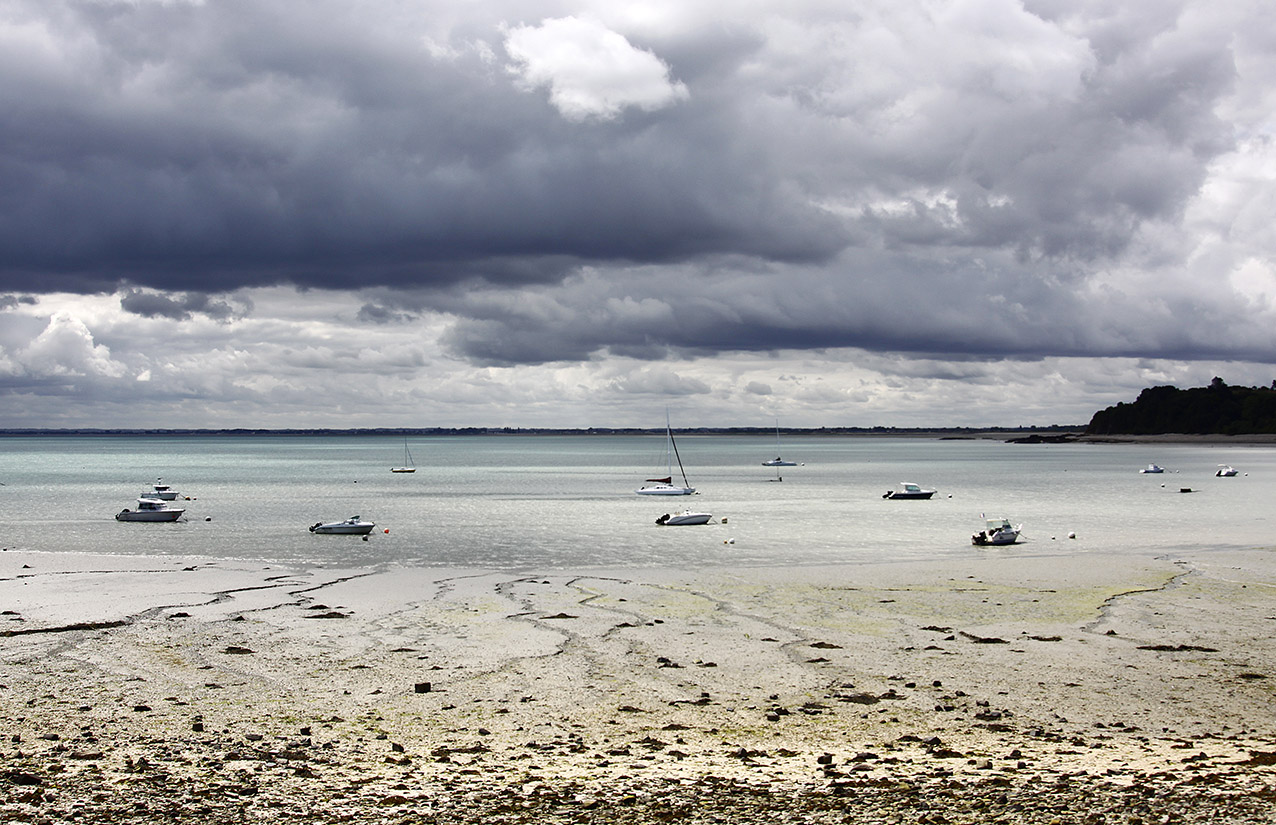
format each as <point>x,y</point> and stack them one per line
<point>1214,410</point>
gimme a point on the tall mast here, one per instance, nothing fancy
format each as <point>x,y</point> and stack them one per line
<point>674,444</point>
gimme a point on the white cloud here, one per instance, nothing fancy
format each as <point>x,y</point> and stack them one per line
<point>591,72</point>
<point>66,349</point>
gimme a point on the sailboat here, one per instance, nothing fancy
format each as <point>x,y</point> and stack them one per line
<point>665,486</point>
<point>409,466</point>
<point>777,461</point>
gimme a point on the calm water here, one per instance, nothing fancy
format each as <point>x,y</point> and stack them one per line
<point>567,502</point>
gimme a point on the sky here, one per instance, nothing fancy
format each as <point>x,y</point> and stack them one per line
<point>418,213</point>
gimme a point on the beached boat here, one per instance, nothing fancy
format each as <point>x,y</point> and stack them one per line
<point>353,526</point>
<point>151,509</point>
<point>161,491</point>
<point>1152,468</point>
<point>777,461</point>
<point>685,517</point>
<point>997,531</point>
<point>409,466</point>
<point>1225,471</point>
<point>665,486</point>
<point>908,490</point>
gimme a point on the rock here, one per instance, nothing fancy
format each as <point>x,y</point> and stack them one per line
<point>983,640</point>
<point>1178,648</point>
<point>23,778</point>
<point>859,698</point>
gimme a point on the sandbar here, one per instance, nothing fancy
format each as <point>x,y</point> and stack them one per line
<point>1005,687</point>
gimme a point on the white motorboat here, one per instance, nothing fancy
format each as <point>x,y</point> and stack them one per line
<point>151,509</point>
<point>409,466</point>
<point>997,531</point>
<point>1225,471</point>
<point>1152,468</point>
<point>665,486</point>
<point>161,491</point>
<point>685,517</point>
<point>907,490</point>
<point>353,526</point>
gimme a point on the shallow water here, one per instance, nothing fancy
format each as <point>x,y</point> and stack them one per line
<point>562,502</point>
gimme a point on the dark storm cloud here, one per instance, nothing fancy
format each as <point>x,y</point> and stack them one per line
<point>966,177</point>
<point>378,314</point>
<point>11,301</point>
<point>245,143</point>
<point>179,306</point>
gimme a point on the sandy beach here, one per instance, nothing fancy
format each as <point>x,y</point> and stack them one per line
<point>1006,687</point>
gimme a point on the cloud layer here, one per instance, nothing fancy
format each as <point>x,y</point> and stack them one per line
<point>793,207</point>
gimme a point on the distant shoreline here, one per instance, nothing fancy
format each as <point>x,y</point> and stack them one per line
<point>1023,435</point>
<point>918,432</point>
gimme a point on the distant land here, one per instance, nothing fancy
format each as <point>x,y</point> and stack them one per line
<point>425,432</point>
<point>1214,410</point>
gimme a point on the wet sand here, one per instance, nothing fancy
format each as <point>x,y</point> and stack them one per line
<point>1006,687</point>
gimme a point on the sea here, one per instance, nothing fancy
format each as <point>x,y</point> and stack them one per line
<point>564,502</point>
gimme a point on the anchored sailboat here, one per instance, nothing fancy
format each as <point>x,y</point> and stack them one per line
<point>777,461</point>
<point>665,486</point>
<point>409,466</point>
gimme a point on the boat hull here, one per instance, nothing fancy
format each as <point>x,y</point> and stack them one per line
<point>1003,538</point>
<point>778,463</point>
<point>403,469</point>
<point>169,514</point>
<point>665,490</point>
<point>349,527</point>
<point>896,494</point>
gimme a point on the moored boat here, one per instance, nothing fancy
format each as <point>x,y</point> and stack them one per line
<point>1152,468</point>
<point>778,461</point>
<point>353,526</point>
<point>408,466</point>
<point>1225,471</point>
<point>997,531</point>
<point>151,509</point>
<point>909,490</point>
<point>161,491</point>
<point>685,517</point>
<point>665,486</point>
